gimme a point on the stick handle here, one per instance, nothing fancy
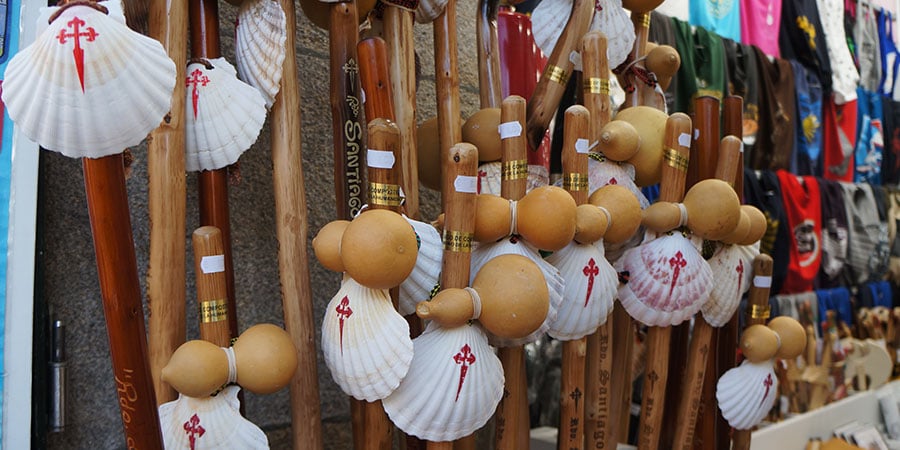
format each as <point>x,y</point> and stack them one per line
<point>212,291</point>
<point>374,78</point>
<point>549,90</point>
<point>167,203</point>
<point>733,125</point>
<point>346,131</point>
<point>596,81</point>
<point>446,80</point>
<point>704,146</point>
<point>291,231</point>
<point>576,135</point>
<point>641,23</point>
<point>459,170</point>
<point>514,150</point>
<point>384,160</point>
<point>488,54</point>
<point>107,200</point>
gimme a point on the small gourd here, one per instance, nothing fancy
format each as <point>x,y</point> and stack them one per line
<point>327,245</point>
<point>641,6</point>
<point>650,124</point>
<point>379,249</point>
<point>197,369</point>
<point>492,217</point>
<point>545,217</point>
<point>480,130</point>
<point>664,61</point>
<point>792,335</point>
<point>759,343</point>
<point>714,209</point>
<point>740,231</point>
<point>624,212</point>
<point>758,225</point>
<point>265,358</point>
<point>619,141</point>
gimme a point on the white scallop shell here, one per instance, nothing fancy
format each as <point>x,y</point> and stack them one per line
<point>223,116</point>
<point>555,283</point>
<point>732,268</point>
<point>453,386</point>
<point>746,393</point>
<point>489,177</point>
<point>428,10</point>
<point>590,288</point>
<point>115,7</point>
<point>259,51</point>
<point>121,94</point>
<point>614,22</point>
<point>365,341</point>
<point>608,172</point>
<point>209,423</point>
<point>668,280</point>
<point>548,20</point>
<point>426,275</point>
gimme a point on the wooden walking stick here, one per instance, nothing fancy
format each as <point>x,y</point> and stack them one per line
<point>167,198</point>
<point>549,91</point>
<point>213,184</point>
<point>209,267</point>
<point>291,231</point>
<point>446,74</point>
<point>488,54</point>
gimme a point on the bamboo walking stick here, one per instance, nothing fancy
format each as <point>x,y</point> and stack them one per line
<point>574,352</point>
<point>212,290</point>
<point>549,91</point>
<point>291,231</point>
<point>658,338</point>
<point>167,199</point>
<point>599,394</point>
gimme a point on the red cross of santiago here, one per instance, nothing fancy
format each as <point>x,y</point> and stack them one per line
<point>590,270</point>
<point>740,271</point>
<point>343,311</point>
<point>78,53</point>
<point>768,384</point>
<point>196,78</point>
<point>464,358</point>
<point>676,262</point>
<point>194,430</point>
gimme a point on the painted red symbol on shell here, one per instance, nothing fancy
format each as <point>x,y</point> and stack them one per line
<point>343,311</point>
<point>196,78</point>
<point>464,358</point>
<point>613,181</point>
<point>768,384</point>
<point>590,270</point>
<point>677,262</point>
<point>740,271</point>
<point>481,175</point>
<point>194,430</point>
<point>89,34</point>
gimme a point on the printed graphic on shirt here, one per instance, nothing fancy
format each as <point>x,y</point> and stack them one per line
<point>808,29</point>
<point>807,242</point>
<point>719,8</point>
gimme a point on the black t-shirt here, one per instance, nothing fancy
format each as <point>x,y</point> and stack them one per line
<point>742,79</point>
<point>777,115</point>
<point>890,165</point>
<point>834,235</point>
<point>662,33</point>
<point>802,38</point>
<point>764,192</point>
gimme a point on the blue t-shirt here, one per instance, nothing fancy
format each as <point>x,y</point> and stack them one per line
<point>808,147</point>
<point>722,17</point>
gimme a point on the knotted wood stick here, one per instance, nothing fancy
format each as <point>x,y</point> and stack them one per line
<point>446,80</point>
<point>291,228</point>
<point>486,39</point>
<point>167,201</point>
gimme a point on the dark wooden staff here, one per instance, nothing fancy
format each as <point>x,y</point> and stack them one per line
<point>549,90</point>
<point>459,225</point>
<point>167,201</point>
<point>757,314</point>
<point>347,133</point>
<point>375,79</point>
<point>656,373</point>
<point>107,200</point>
<point>486,39</point>
<point>212,287</point>
<point>574,353</point>
<point>446,80</point>
<point>291,227</point>
<point>599,395</point>
<point>702,338</point>
<point>213,184</point>
<point>512,412</point>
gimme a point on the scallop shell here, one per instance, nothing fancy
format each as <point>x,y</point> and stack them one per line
<point>259,51</point>
<point>732,268</point>
<point>365,341</point>
<point>428,10</point>
<point>120,93</point>
<point>590,288</point>
<point>426,275</point>
<point>223,118</point>
<point>453,386</point>
<point>555,282</point>
<point>209,423</point>
<point>614,22</point>
<point>668,280</point>
<point>602,173</point>
<point>489,178</point>
<point>548,20</point>
<point>115,7</point>
<point>747,393</point>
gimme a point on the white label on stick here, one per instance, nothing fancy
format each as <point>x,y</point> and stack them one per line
<point>762,281</point>
<point>466,184</point>
<point>212,264</point>
<point>684,140</point>
<point>380,159</point>
<point>582,145</point>
<point>510,129</point>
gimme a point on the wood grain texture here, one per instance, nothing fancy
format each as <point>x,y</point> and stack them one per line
<point>375,79</point>
<point>167,200</point>
<point>446,80</point>
<point>212,288</point>
<point>107,200</point>
<point>487,41</point>
<point>291,229</point>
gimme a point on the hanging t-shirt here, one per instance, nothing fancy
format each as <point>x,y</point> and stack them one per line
<point>868,48</point>
<point>803,39</point>
<point>805,160</point>
<point>890,164</point>
<point>839,132</point>
<point>844,74</point>
<point>893,223</point>
<point>869,251</point>
<point>743,81</point>
<point>777,113</point>
<point>890,58</point>
<point>678,9</point>
<point>702,70</point>
<point>870,138</point>
<point>834,235</point>
<point>803,209</point>
<point>722,17</point>
<point>760,24</point>
<point>761,189</point>
<point>838,300</point>
<point>662,33</point>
